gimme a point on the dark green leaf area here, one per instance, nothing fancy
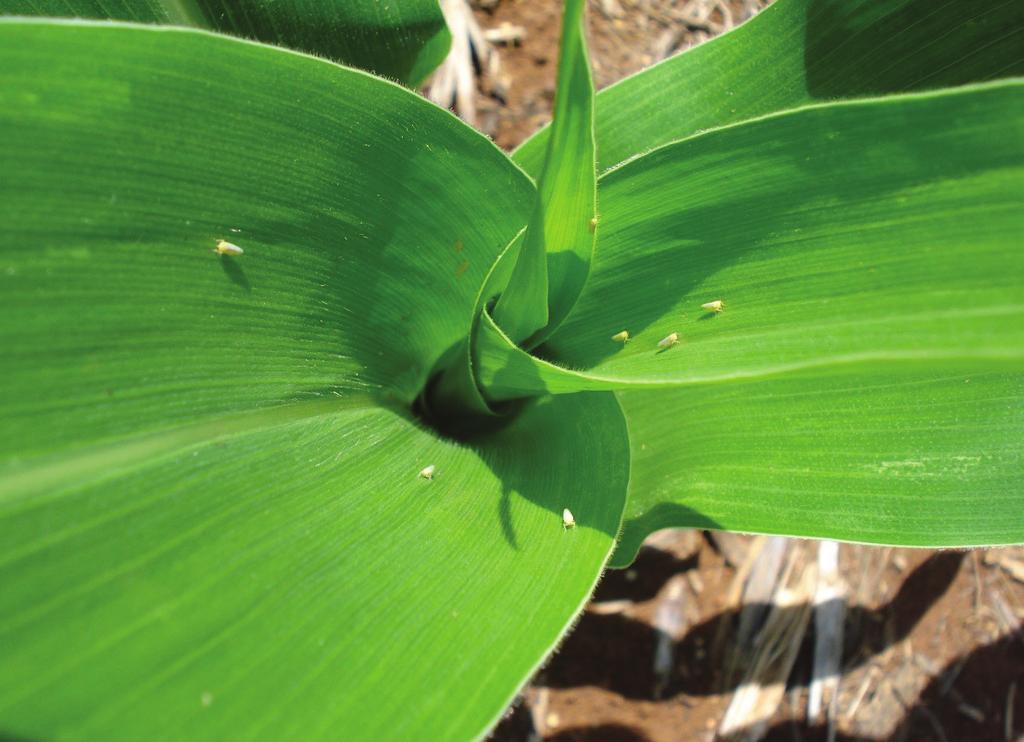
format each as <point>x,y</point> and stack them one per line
<point>869,48</point>
<point>401,40</point>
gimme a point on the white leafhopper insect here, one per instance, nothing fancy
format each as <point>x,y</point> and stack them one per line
<point>713,306</point>
<point>567,520</point>
<point>669,340</point>
<point>427,472</point>
<point>593,225</point>
<point>621,337</point>
<point>226,248</point>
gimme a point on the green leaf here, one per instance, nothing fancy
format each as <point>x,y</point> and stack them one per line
<point>881,231</point>
<point>211,518</point>
<point>286,574</point>
<point>454,396</point>
<point>555,257</point>
<point>122,170</point>
<point>402,40</point>
<point>867,364</point>
<point>796,52</point>
<point>880,455</point>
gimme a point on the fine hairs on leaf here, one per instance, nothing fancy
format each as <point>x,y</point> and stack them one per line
<point>321,416</point>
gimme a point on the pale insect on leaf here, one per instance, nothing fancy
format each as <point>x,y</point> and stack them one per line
<point>669,340</point>
<point>226,248</point>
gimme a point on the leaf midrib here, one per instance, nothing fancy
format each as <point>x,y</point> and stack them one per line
<point>32,479</point>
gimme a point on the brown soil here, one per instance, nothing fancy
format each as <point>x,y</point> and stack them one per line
<point>625,36</point>
<point>933,648</point>
<point>933,651</point>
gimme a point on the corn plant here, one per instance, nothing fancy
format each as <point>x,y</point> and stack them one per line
<point>321,416</point>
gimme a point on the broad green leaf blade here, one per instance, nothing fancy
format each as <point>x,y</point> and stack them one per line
<point>555,257</point>
<point>883,230</point>
<point>122,170</point>
<point>797,52</point>
<point>880,455</point>
<point>211,518</point>
<point>292,576</point>
<point>403,40</point>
